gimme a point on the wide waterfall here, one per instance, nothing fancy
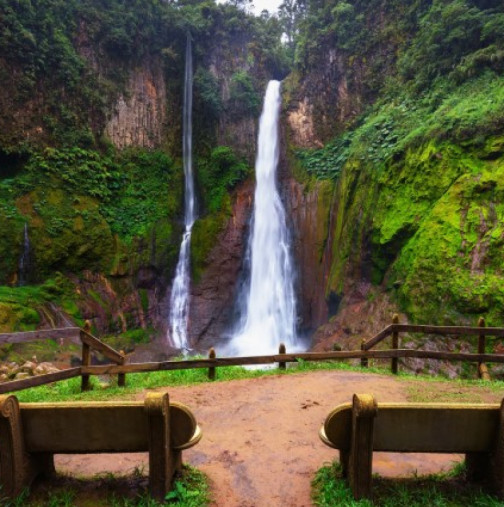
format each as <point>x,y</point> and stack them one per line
<point>268,316</point>
<point>179,301</point>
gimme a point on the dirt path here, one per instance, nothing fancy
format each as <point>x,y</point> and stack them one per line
<point>260,446</point>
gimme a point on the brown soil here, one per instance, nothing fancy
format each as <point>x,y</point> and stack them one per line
<point>260,446</point>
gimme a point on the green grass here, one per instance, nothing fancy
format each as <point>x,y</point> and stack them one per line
<point>105,388</point>
<point>449,489</point>
<point>190,489</point>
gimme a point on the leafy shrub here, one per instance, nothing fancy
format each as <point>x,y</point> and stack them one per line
<point>244,98</point>
<point>218,174</point>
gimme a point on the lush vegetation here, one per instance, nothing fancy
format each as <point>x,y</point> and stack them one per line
<point>65,63</point>
<point>444,489</point>
<point>88,207</point>
<point>419,169</point>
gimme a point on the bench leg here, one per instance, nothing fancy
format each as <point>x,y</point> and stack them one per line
<point>361,452</point>
<point>344,457</point>
<point>14,463</point>
<point>43,464</point>
<point>497,459</point>
<point>162,460</point>
<point>477,465</point>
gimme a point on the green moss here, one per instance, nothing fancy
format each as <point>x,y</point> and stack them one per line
<point>21,308</point>
<point>204,237</point>
<point>453,263</point>
<point>218,174</point>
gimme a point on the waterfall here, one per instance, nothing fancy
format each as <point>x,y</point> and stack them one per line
<point>24,258</point>
<point>268,313</point>
<point>179,300</point>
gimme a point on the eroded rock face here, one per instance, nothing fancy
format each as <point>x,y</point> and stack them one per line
<point>300,120</point>
<point>213,298</point>
<point>139,115</point>
<point>323,103</point>
<point>110,305</point>
<point>310,212</point>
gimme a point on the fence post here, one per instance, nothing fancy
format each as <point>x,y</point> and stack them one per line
<point>121,377</point>
<point>364,360</point>
<point>211,370</point>
<point>86,356</point>
<point>482,368</point>
<point>282,350</point>
<point>395,345</point>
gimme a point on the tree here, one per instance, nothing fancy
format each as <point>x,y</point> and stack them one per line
<point>290,13</point>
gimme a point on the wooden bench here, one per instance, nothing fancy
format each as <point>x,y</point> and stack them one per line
<point>31,433</point>
<point>363,426</point>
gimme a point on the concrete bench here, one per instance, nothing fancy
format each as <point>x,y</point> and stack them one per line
<point>363,426</point>
<point>31,433</point>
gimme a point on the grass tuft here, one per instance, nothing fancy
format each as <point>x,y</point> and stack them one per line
<point>448,489</point>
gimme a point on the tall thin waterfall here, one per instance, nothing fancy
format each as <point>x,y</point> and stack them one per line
<point>269,307</point>
<point>24,258</point>
<point>179,301</point>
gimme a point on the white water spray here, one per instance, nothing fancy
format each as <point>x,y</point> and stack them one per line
<point>179,300</point>
<point>269,313</point>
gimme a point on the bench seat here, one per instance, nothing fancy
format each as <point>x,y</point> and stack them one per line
<point>363,426</point>
<point>31,433</point>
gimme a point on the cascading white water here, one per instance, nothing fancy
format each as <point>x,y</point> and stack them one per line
<point>179,300</point>
<point>269,313</point>
<point>24,258</point>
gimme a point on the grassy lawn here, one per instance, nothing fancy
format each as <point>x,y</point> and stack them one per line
<point>449,489</point>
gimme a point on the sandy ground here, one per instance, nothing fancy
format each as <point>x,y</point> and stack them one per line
<point>260,446</point>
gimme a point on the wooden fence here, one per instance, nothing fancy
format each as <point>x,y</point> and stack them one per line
<point>90,343</point>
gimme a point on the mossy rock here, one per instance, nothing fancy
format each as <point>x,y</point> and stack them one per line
<point>67,232</point>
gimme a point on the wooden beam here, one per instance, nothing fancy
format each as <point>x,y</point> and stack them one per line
<point>379,337</point>
<point>101,347</point>
<point>39,380</point>
<point>446,330</point>
<point>41,334</point>
<point>395,345</point>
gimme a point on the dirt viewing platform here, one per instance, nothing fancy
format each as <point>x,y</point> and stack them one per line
<point>261,445</point>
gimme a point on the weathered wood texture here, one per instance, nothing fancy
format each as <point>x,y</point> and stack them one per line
<point>89,343</point>
<point>446,330</point>
<point>211,370</point>
<point>440,330</point>
<point>395,346</point>
<point>361,445</point>
<point>385,333</point>
<point>101,347</point>
<point>86,361</point>
<point>156,426</point>
<point>476,430</point>
<point>43,334</point>
<point>39,380</point>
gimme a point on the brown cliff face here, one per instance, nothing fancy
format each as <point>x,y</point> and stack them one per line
<point>139,115</point>
<point>311,212</point>
<point>213,297</point>
<point>326,100</point>
<point>236,130</point>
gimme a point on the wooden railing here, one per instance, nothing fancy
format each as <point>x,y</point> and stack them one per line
<point>481,331</point>
<point>89,342</point>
